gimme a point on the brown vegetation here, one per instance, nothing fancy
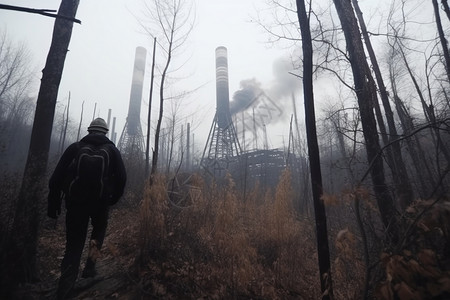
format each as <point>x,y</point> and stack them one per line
<point>420,267</point>
<point>216,245</point>
<point>223,247</point>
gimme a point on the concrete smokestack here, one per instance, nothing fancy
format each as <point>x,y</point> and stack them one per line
<point>109,123</point>
<point>222,91</point>
<point>134,110</point>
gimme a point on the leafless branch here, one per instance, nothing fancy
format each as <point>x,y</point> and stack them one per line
<point>430,125</point>
<point>44,12</point>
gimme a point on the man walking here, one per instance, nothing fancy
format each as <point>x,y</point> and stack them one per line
<point>91,176</point>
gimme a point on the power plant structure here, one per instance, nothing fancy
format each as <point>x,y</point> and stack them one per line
<point>131,142</point>
<point>222,148</point>
<point>252,109</point>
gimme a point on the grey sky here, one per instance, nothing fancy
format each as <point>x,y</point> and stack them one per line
<point>99,64</point>
<point>100,61</point>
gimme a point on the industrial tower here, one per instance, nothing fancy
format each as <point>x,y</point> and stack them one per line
<point>222,148</point>
<point>131,142</point>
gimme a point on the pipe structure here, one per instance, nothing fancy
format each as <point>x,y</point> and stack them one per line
<point>222,148</point>
<point>134,109</point>
<point>222,89</point>
<point>113,131</point>
<point>109,124</point>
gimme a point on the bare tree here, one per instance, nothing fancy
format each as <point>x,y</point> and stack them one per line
<point>81,121</point>
<point>66,124</point>
<point>444,42</point>
<point>366,94</point>
<point>428,109</point>
<point>15,83</point>
<point>421,166</point>
<point>15,74</point>
<point>170,22</point>
<point>150,100</point>
<point>344,122</point>
<point>314,157</point>
<point>20,260</point>
<point>446,8</point>
<point>395,157</point>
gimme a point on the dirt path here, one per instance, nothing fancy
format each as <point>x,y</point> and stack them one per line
<point>118,254</point>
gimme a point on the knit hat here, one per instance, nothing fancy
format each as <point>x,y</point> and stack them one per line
<point>98,125</point>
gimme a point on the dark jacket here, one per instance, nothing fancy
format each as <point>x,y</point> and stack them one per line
<point>117,173</point>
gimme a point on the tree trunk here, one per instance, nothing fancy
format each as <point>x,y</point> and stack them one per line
<point>152,77</point>
<point>20,263</point>
<point>442,38</point>
<point>81,121</point>
<point>421,166</point>
<point>400,175</point>
<point>188,149</point>
<point>365,97</point>
<point>161,108</point>
<point>428,110</point>
<point>314,157</point>
<point>65,126</point>
<point>61,132</point>
<point>446,8</point>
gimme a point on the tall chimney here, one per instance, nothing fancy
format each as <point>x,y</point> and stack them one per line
<point>113,131</point>
<point>134,109</point>
<point>222,92</point>
<point>109,123</point>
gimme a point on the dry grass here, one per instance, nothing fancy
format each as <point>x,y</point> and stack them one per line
<point>214,244</point>
<point>219,245</point>
<point>9,188</point>
<point>224,247</point>
<point>152,231</point>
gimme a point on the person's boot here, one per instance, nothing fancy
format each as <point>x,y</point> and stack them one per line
<point>89,269</point>
<point>66,283</point>
<point>94,253</point>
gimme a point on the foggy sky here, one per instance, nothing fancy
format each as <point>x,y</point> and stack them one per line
<point>99,64</point>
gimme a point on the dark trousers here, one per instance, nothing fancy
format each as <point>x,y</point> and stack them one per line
<point>77,221</point>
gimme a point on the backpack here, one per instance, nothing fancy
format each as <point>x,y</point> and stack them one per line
<point>88,173</point>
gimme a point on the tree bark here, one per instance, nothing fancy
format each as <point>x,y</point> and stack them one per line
<point>314,157</point>
<point>171,18</point>
<point>446,8</point>
<point>442,38</point>
<point>428,110</point>
<point>152,77</point>
<point>65,126</point>
<point>161,108</point>
<point>416,152</point>
<point>400,175</point>
<point>20,261</point>
<point>365,96</point>
<point>81,120</point>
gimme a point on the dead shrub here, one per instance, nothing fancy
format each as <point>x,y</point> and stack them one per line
<point>420,270</point>
<point>228,246</point>
<point>152,217</point>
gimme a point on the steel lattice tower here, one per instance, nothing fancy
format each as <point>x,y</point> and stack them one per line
<point>222,148</point>
<point>131,142</point>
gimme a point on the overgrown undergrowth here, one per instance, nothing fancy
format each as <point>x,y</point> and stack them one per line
<point>213,243</point>
<point>219,245</point>
<point>205,241</point>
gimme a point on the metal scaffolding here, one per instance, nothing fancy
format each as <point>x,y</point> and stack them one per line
<point>222,149</point>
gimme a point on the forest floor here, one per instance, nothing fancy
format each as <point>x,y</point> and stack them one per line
<point>206,250</point>
<point>114,279</point>
<point>218,247</point>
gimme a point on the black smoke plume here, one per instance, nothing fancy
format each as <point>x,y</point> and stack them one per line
<point>277,97</point>
<point>246,96</point>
